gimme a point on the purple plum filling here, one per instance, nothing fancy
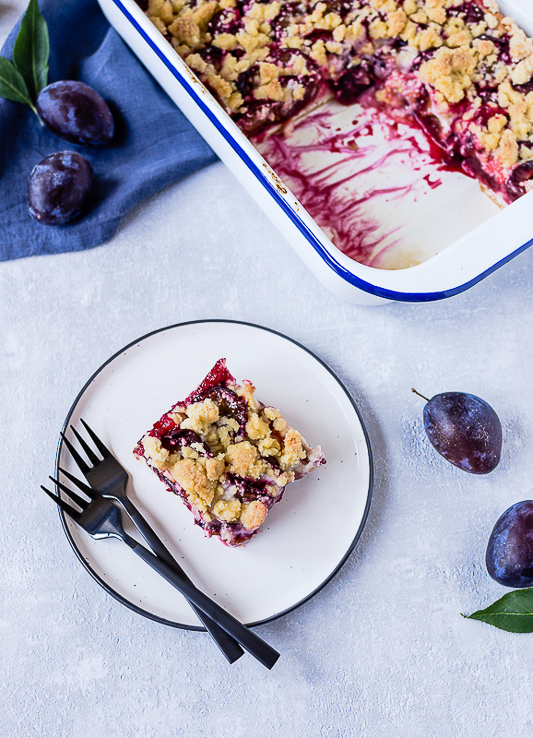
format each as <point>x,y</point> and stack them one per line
<point>355,80</point>
<point>229,403</point>
<point>227,455</point>
<point>460,69</point>
<point>176,438</point>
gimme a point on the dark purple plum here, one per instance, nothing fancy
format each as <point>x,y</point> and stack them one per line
<point>432,127</point>
<point>228,402</point>
<point>59,188</point>
<point>76,113</point>
<point>245,82</point>
<point>289,13</point>
<point>471,11</point>
<point>509,555</point>
<point>177,438</point>
<point>250,489</point>
<point>465,430</point>
<point>228,20</point>
<point>257,116</point>
<point>351,85</point>
<point>212,55</point>
<point>519,176</point>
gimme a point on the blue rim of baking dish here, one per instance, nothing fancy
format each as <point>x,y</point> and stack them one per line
<point>296,220</point>
<point>140,610</point>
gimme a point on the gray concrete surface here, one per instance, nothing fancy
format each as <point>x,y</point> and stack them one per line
<point>382,650</point>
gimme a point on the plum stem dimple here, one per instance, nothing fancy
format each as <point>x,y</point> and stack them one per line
<point>418,393</point>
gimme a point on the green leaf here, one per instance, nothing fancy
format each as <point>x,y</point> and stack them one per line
<point>12,85</point>
<point>513,612</point>
<point>32,49</point>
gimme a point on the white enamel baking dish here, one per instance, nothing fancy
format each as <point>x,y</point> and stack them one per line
<point>457,268</point>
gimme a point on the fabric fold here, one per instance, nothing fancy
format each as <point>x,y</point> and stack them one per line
<point>154,144</point>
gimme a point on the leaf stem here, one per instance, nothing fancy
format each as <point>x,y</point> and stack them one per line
<point>32,106</point>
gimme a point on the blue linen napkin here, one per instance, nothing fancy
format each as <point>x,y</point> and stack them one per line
<point>154,144</point>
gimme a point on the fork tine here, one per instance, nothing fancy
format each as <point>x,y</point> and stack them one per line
<point>84,468</point>
<point>93,458</point>
<point>62,504</point>
<point>73,496</point>
<point>97,442</point>
<point>89,491</point>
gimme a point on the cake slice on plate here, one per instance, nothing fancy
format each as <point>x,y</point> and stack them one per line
<point>227,455</point>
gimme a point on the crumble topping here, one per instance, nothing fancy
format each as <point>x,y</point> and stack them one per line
<point>450,72</point>
<point>227,455</point>
<point>243,460</point>
<point>461,63</point>
<point>253,515</point>
<point>228,510</point>
<point>157,455</point>
<point>200,416</point>
<point>215,468</point>
<point>192,478</point>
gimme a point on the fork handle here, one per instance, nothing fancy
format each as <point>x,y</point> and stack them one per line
<point>228,645</point>
<point>255,645</point>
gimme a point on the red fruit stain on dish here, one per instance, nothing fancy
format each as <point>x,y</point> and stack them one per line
<point>341,192</point>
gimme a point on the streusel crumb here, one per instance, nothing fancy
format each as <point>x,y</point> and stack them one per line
<point>154,451</point>
<point>253,515</point>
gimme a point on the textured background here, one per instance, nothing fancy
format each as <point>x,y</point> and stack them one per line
<point>383,649</point>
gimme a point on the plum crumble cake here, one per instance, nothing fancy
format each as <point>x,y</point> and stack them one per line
<point>228,456</point>
<point>460,68</point>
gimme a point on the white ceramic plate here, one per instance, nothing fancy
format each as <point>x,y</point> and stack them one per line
<point>308,535</point>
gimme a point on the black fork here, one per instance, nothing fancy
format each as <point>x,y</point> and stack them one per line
<point>107,477</point>
<point>101,519</point>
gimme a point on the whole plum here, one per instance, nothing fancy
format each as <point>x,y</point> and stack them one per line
<point>465,430</point>
<point>509,555</point>
<point>59,187</point>
<point>76,113</point>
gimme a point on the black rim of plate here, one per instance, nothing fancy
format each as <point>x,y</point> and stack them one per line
<point>199,628</point>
